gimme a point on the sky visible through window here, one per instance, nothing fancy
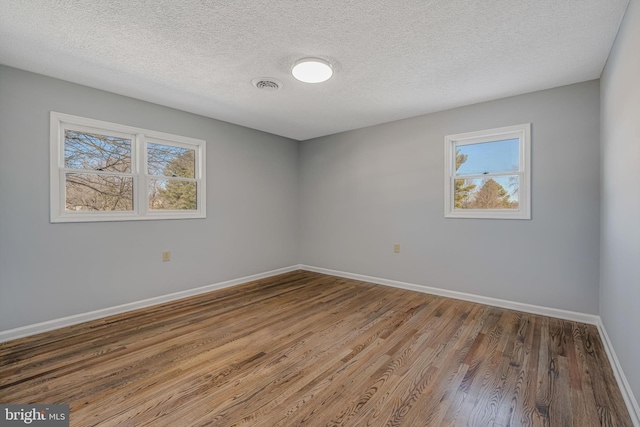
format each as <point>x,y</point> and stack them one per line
<point>490,157</point>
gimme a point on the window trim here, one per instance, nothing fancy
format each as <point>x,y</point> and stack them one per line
<point>451,142</point>
<point>139,139</point>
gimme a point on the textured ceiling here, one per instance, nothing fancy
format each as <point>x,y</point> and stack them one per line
<point>392,59</point>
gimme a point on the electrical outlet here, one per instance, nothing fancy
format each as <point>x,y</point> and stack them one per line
<point>396,248</point>
<point>166,256</point>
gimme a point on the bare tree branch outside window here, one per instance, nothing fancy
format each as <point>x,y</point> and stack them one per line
<point>167,162</point>
<point>106,156</point>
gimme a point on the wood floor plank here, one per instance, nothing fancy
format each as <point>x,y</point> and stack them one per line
<point>309,349</point>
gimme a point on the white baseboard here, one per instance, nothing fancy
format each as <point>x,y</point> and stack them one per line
<point>591,319</point>
<point>625,389</point>
<point>623,384</point>
<point>49,325</point>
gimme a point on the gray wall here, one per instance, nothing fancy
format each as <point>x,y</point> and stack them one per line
<point>48,271</point>
<point>620,226</point>
<point>364,190</point>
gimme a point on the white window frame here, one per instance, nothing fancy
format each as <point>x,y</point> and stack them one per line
<point>451,142</point>
<point>139,137</point>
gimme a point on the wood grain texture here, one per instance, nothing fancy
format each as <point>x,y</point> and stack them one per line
<point>309,349</point>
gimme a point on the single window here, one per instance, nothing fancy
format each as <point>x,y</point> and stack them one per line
<point>103,171</point>
<point>488,174</point>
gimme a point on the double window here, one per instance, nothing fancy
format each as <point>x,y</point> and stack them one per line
<point>488,174</point>
<point>103,171</point>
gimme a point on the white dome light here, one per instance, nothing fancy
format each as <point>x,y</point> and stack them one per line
<point>312,70</point>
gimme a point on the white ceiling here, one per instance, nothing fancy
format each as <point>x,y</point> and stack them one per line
<point>392,59</point>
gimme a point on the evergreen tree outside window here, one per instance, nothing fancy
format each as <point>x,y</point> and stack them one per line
<point>104,171</point>
<point>488,174</point>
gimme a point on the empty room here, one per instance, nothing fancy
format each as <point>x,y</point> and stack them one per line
<point>287,213</point>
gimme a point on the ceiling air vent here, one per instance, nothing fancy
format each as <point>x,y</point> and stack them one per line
<point>265,83</point>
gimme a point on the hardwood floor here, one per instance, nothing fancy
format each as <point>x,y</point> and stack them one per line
<point>310,349</point>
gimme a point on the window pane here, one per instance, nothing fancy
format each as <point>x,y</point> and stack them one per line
<point>499,192</point>
<point>92,192</point>
<point>488,157</point>
<point>91,151</point>
<point>168,194</point>
<point>166,160</point>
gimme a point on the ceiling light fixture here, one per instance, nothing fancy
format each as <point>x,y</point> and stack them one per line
<point>312,70</point>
